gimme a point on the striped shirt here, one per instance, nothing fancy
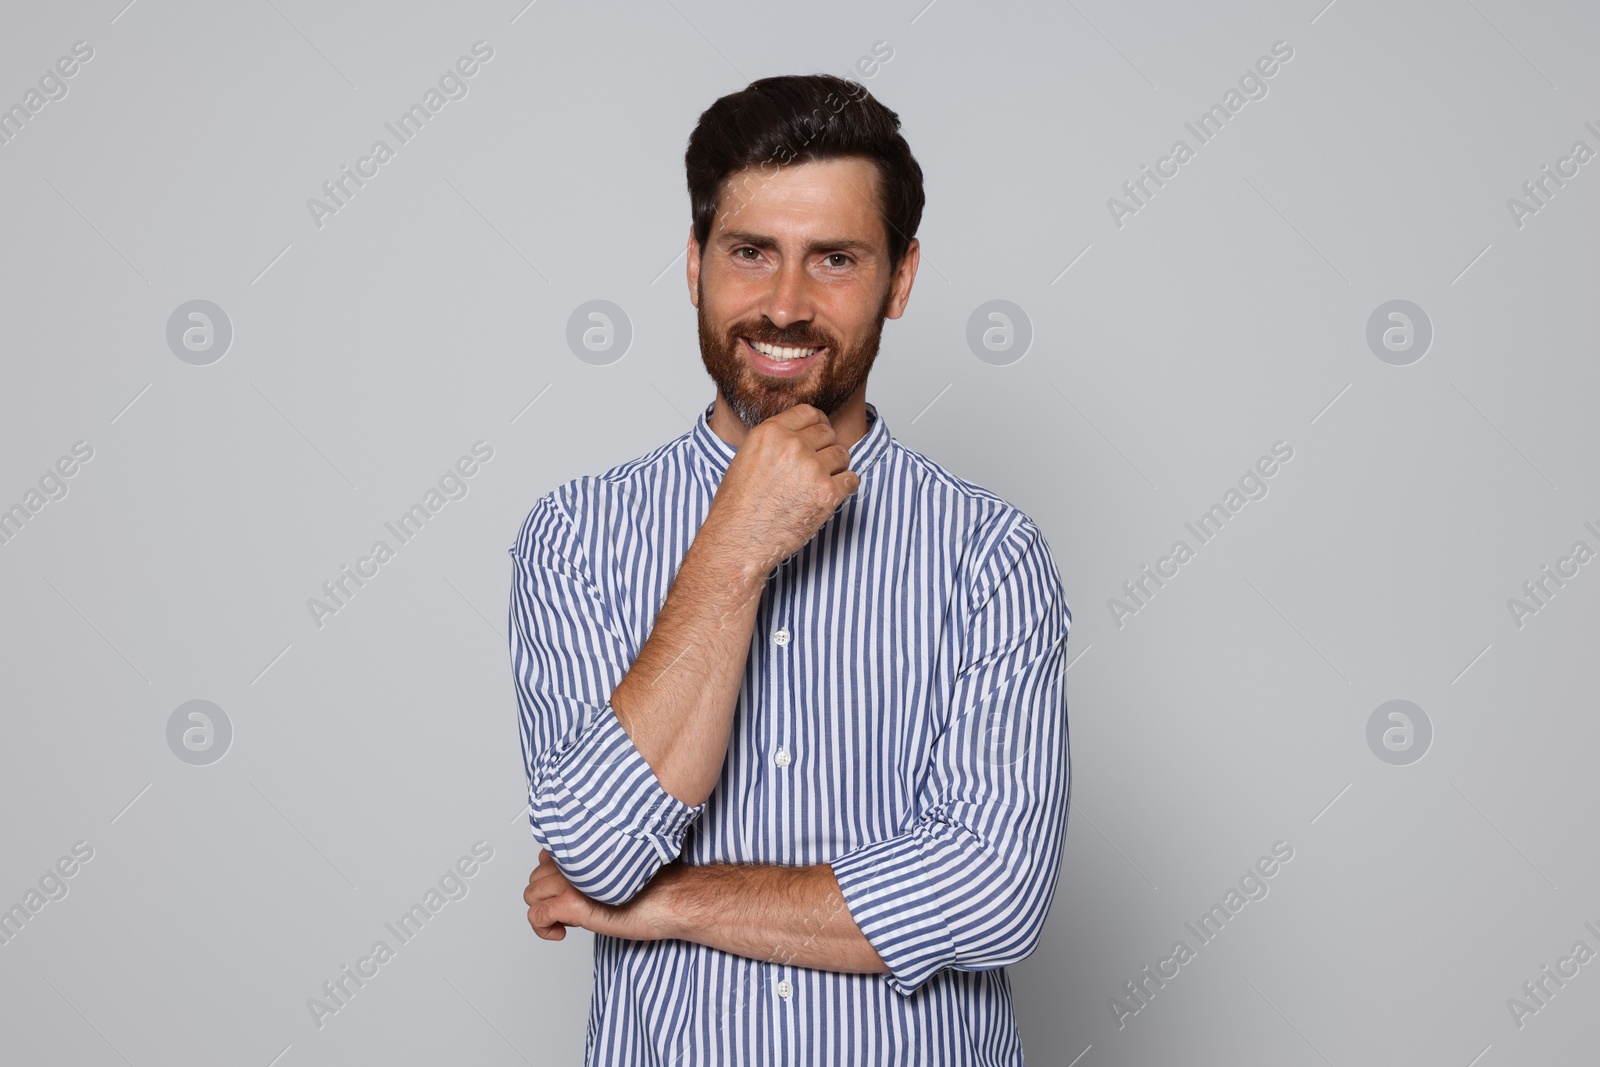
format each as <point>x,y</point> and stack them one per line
<point>902,717</point>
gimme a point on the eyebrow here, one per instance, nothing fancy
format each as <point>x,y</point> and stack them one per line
<point>835,244</point>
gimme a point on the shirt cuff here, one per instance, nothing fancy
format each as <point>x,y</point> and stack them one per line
<point>887,890</point>
<point>604,771</point>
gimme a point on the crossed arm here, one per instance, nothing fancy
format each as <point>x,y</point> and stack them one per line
<point>789,915</point>
<point>616,777</point>
<point>675,704</point>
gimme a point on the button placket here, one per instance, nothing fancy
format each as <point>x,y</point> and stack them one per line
<point>780,713</point>
<point>781,637</point>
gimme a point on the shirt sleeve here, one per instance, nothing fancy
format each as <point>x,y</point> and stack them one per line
<point>593,800</point>
<point>968,885</point>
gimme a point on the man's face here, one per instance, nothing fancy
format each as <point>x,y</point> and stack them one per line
<point>797,258</point>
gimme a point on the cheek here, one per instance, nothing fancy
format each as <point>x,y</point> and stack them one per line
<point>847,313</point>
<point>854,330</point>
<point>729,300</point>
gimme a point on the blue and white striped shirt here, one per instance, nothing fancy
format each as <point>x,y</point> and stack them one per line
<point>902,717</point>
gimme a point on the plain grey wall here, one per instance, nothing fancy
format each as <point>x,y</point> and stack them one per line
<point>1149,355</point>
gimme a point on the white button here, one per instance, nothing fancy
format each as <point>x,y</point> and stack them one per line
<point>784,989</point>
<point>781,757</point>
<point>781,637</point>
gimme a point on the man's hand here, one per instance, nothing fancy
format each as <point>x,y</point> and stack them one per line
<point>787,479</point>
<point>554,905</point>
<point>790,915</point>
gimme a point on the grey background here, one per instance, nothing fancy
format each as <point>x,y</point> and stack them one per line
<point>430,313</point>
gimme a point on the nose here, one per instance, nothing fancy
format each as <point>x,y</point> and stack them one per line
<point>790,299</point>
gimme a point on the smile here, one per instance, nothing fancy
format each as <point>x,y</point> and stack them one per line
<point>780,353</point>
<point>779,360</point>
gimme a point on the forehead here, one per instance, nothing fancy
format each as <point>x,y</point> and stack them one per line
<point>838,197</point>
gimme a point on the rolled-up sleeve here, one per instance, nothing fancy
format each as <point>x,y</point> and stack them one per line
<point>968,883</point>
<point>593,800</point>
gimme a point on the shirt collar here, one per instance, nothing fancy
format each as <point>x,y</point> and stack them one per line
<point>718,453</point>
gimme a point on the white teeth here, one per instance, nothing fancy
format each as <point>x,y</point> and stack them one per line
<point>781,354</point>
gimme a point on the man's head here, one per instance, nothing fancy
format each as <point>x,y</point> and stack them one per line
<point>805,201</point>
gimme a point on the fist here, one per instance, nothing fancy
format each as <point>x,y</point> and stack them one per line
<point>788,478</point>
<point>554,904</point>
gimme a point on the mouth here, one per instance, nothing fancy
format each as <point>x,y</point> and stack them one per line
<point>779,361</point>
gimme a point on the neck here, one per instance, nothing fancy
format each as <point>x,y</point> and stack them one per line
<point>849,422</point>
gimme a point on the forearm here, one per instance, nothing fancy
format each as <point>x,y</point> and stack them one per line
<point>677,700</point>
<point>790,915</point>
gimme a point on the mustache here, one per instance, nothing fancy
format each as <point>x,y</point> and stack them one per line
<point>768,334</point>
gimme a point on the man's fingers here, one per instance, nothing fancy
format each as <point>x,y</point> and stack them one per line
<point>834,458</point>
<point>798,416</point>
<point>544,897</point>
<point>552,902</point>
<point>818,435</point>
<point>542,886</point>
<point>549,931</point>
<point>542,911</point>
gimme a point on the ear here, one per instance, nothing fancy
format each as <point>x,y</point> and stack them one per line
<point>692,268</point>
<point>904,275</point>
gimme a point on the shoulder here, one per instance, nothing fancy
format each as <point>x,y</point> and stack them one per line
<point>990,522</point>
<point>1000,540</point>
<point>578,510</point>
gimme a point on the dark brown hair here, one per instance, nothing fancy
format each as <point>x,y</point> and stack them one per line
<point>797,118</point>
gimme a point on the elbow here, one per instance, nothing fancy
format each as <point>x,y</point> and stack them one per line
<point>614,873</point>
<point>1024,942</point>
<point>1015,930</point>
<point>615,893</point>
<point>600,862</point>
<point>1033,908</point>
<point>1009,946</point>
<point>599,811</point>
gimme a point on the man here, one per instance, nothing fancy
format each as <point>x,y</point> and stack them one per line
<point>792,695</point>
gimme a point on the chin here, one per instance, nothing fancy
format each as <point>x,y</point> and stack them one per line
<point>760,404</point>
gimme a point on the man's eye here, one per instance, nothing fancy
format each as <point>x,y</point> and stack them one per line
<point>740,252</point>
<point>839,256</point>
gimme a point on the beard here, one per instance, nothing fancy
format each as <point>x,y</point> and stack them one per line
<point>755,397</point>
